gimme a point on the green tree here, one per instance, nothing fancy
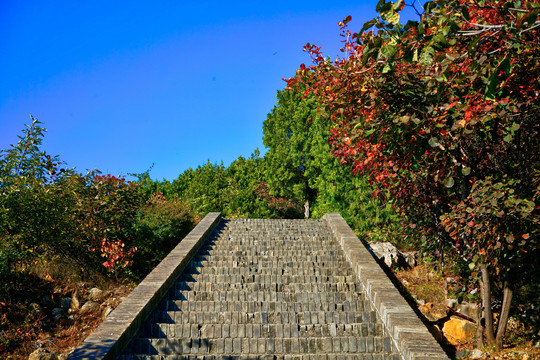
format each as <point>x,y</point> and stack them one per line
<point>291,138</point>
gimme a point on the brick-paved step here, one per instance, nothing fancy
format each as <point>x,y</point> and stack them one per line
<point>269,271</point>
<point>330,356</point>
<point>186,330</point>
<point>267,279</point>
<point>242,295</point>
<point>255,306</point>
<point>276,287</point>
<point>233,317</point>
<point>220,346</point>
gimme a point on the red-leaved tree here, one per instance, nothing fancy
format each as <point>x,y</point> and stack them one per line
<point>444,112</point>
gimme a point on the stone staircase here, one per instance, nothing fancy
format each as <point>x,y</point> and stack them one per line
<point>265,289</point>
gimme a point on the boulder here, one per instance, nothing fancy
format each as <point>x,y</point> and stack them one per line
<point>75,303</point>
<point>65,303</point>
<point>47,301</point>
<point>470,310</point>
<point>106,312</point>
<point>410,258</point>
<point>57,314</point>
<point>452,303</point>
<point>386,252</point>
<point>90,306</point>
<point>42,354</point>
<point>36,309</point>
<point>95,294</point>
<point>434,312</point>
<point>459,331</point>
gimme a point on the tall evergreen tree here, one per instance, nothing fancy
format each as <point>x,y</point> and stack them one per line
<point>289,135</point>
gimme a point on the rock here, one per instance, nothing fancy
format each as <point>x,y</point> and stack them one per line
<point>410,258</point>
<point>434,312</point>
<point>452,303</point>
<point>47,301</point>
<point>106,312</point>
<point>64,356</point>
<point>459,331</point>
<point>57,313</point>
<point>75,303</point>
<point>95,294</point>
<point>461,354</point>
<point>65,303</point>
<point>36,309</point>
<point>470,310</point>
<point>89,306</point>
<point>41,354</point>
<point>386,252</point>
<point>476,354</point>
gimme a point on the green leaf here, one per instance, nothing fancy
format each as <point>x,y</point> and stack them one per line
<point>392,17</point>
<point>493,82</point>
<point>532,16</point>
<point>429,6</point>
<point>449,182</point>
<point>466,170</point>
<point>368,24</point>
<point>421,30</point>
<point>426,56</point>
<point>505,66</point>
<point>465,12</point>
<point>397,5</point>
<point>433,142</point>
<point>380,5</point>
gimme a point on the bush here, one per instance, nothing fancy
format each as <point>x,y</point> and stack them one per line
<point>160,225</point>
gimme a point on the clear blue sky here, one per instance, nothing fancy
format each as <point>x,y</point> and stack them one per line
<point>123,84</point>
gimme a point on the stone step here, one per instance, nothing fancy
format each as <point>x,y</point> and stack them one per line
<point>265,357</point>
<point>263,318</point>
<point>237,346</point>
<point>318,271</point>
<point>266,287</point>
<point>291,256</point>
<point>267,279</point>
<point>208,330</point>
<point>308,251</point>
<point>265,263</point>
<point>242,295</point>
<point>254,306</point>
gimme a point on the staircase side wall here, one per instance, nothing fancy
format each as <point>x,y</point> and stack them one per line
<point>108,340</point>
<point>409,334</point>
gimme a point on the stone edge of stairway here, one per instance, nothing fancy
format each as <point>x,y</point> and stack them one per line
<point>409,334</point>
<point>108,340</point>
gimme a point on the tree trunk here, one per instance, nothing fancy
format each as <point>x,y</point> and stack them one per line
<point>306,209</point>
<point>486,303</point>
<point>508,293</point>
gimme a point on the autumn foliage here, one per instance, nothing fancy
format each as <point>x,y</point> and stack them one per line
<point>444,113</point>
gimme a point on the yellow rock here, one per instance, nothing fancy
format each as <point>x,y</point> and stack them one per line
<point>459,331</point>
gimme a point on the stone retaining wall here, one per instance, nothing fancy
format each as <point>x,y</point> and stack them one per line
<point>410,335</point>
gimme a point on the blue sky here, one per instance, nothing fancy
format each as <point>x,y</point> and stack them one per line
<point>120,85</point>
